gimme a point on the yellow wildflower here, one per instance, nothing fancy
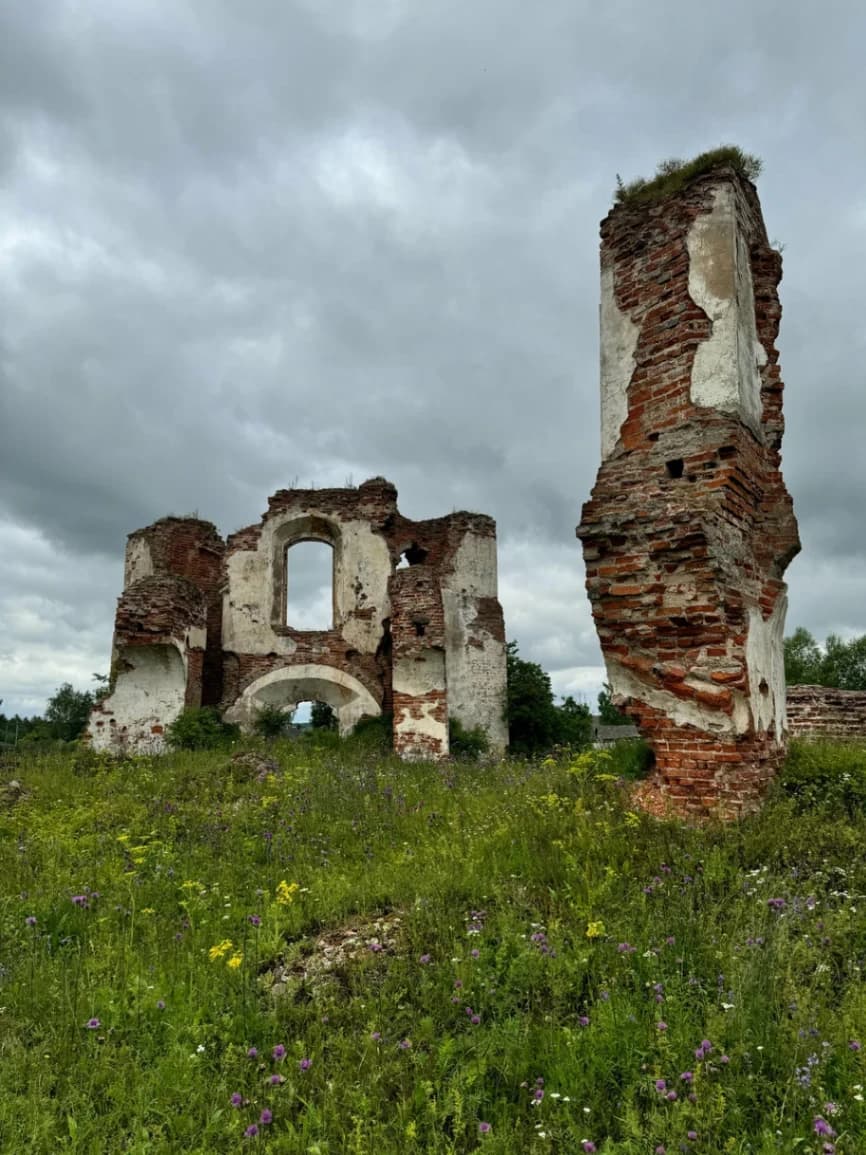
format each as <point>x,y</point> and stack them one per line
<point>220,949</point>
<point>595,929</point>
<point>286,892</point>
<point>235,961</point>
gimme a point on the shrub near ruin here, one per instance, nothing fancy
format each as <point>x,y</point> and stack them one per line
<point>345,953</point>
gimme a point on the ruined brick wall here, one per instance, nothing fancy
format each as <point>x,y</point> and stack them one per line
<point>825,712</point>
<point>426,641</point>
<point>689,528</point>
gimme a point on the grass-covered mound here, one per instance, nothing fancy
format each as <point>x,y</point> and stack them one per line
<point>672,175</point>
<point>319,949</point>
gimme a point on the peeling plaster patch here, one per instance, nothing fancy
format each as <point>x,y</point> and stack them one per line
<point>619,336</point>
<point>725,372</point>
<point>765,660</point>
<point>148,695</point>
<point>139,563</point>
<point>681,711</point>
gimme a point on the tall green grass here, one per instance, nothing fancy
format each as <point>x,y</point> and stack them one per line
<point>518,960</point>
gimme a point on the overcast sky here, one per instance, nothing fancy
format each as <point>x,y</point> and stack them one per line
<point>245,246</point>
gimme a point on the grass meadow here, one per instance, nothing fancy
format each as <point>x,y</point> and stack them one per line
<point>317,949</point>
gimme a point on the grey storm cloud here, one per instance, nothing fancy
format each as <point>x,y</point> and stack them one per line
<point>246,246</point>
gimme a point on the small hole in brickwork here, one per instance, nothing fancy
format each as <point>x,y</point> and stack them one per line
<point>414,555</point>
<point>727,451</point>
<point>420,629</point>
<point>675,467</point>
<point>653,437</point>
<point>692,477</point>
<point>763,687</point>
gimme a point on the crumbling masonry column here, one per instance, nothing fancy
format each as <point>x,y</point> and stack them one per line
<point>689,529</point>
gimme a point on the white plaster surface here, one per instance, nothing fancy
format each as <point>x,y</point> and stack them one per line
<point>683,713</point>
<point>362,566</point>
<point>150,693</point>
<point>139,562</point>
<point>765,661</point>
<point>348,697</point>
<point>476,674</point>
<point>619,336</point>
<point>416,676</point>
<point>725,372</point>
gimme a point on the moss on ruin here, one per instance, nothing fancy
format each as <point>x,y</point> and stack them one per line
<point>672,175</point>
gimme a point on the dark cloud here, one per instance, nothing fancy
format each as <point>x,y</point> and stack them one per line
<point>316,241</point>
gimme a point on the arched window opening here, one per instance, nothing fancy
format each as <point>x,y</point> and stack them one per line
<point>414,555</point>
<point>310,586</point>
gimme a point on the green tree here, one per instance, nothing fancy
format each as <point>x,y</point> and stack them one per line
<point>200,728</point>
<point>575,723</point>
<point>323,717</point>
<point>844,663</point>
<point>272,721</point>
<point>67,712</point>
<point>803,659</point>
<point>607,712</point>
<point>532,718</point>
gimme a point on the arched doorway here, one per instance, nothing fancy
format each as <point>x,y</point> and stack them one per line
<point>286,687</point>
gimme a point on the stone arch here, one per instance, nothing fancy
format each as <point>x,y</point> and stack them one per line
<point>349,698</point>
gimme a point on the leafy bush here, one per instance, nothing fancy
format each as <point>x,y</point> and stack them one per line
<point>200,728</point>
<point>375,733</point>
<point>826,775</point>
<point>272,721</point>
<point>464,743</point>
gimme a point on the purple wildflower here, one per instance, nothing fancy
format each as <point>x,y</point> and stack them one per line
<point>160,1004</point>
<point>626,948</point>
<point>661,1085</point>
<point>475,953</point>
<point>538,1094</point>
<point>583,1021</point>
<point>661,1150</point>
<point>405,1044</point>
<point>237,1100</point>
<point>475,1020</point>
<point>254,919</point>
<point>277,1080</point>
<point>588,1146</point>
<point>253,1053</point>
<point>724,1059</point>
<point>251,1131</point>
<point>375,947</point>
<point>854,1045</point>
<point>79,899</point>
<point>376,1036</point>
<point>671,1096</point>
<point>424,959</point>
<point>776,904</point>
<point>661,1026</point>
<point>687,1076</point>
<point>266,1117</point>
<point>93,1024</point>
<point>822,1127</point>
<point>692,1135</point>
<point>483,1128</point>
<point>305,1064</point>
<point>30,920</point>
<point>279,1052</point>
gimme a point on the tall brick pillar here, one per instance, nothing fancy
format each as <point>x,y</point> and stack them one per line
<point>689,529</point>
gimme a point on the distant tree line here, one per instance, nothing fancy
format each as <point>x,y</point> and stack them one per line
<point>836,663</point>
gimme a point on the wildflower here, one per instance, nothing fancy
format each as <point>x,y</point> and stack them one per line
<point>221,948</point>
<point>266,1117</point>
<point>595,929</point>
<point>160,1004</point>
<point>235,961</point>
<point>626,948</point>
<point>237,1100</point>
<point>253,1053</point>
<point>200,1049</point>
<point>475,953</point>
<point>93,1024</point>
<point>538,1094</point>
<point>483,1128</point>
<point>588,1146</point>
<point>376,1036</point>
<point>475,1020</point>
<point>583,1021</point>
<point>79,900</point>
<point>405,1044</point>
<point>424,959</point>
<point>30,920</point>
<point>660,1150</point>
<point>251,1131</point>
<point>661,1026</point>
<point>305,1064</point>
<point>279,1052</point>
<point>254,920</point>
<point>854,1045</point>
<point>375,947</point>
<point>286,892</point>
<point>672,1096</point>
<point>776,904</point>
<point>692,1135</point>
<point>724,1059</point>
<point>661,1085</point>
<point>277,1080</point>
<point>687,1076</point>
<point>822,1127</point>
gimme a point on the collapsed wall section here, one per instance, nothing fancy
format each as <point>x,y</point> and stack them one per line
<point>689,528</point>
<point>825,712</point>
<point>416,628</point>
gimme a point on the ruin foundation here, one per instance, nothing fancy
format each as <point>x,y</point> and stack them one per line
<point>689,529</point>
<point>417,629</point>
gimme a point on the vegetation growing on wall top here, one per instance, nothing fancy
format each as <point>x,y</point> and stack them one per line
<point>672,175</point>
